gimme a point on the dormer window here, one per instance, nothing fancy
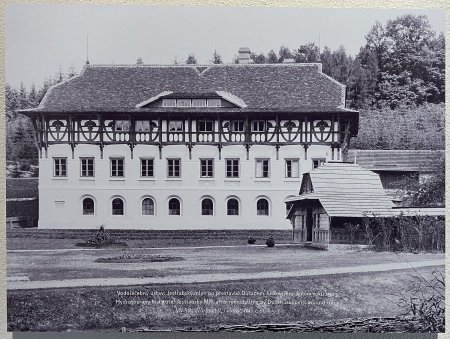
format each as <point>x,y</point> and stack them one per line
<point>214,103</point>
<point>198,102</point>
<point>183,102</point>
<point>169,103</point>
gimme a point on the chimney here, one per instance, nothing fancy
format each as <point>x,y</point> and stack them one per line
<point>244,56</point>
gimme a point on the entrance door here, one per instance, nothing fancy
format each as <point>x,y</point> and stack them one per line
<point>309,224</point>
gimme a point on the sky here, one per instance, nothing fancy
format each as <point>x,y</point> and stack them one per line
<point>43,38</point>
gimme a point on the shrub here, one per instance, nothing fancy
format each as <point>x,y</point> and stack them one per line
<point>424,300</point>
<point>270,242</point>
<point>251,240</point>
<point>101,239</point>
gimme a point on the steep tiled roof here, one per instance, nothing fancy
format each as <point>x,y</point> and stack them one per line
<point>273,87</point>
<point>395,160</point>
<point>347,190</point>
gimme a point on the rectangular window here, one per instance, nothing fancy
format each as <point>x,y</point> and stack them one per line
<point>176,126</point>
<point>205,126</point>
<point>142,126</point>
<point>232,168</point>
<point>146,167</point>
<point>291,170</point>
<point>173,168</point>
<point>117,167</point>
<point>183,102</point>
<point>318,162</point>
<point>169,103</point>
<point>214,103</point>
<point>237,126</point>
<point>258,126</point>
<point>262,168</point>
<point>122,125</point>
<point>60,167</point>
<point>87,167</point>
<point>206,168</point>
<point>198,102</point>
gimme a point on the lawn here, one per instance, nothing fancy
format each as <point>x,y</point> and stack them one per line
<point>210,304</point>
<point>244,259</point>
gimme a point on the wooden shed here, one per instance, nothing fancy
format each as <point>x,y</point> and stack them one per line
<point>330,196</point>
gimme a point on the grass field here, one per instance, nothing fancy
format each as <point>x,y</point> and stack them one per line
<point>348,296</point>
<point>246,259</point>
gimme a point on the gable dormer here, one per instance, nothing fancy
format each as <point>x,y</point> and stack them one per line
<point>216,99</point>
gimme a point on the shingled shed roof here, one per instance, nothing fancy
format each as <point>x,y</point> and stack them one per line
<point>395,160</point>
<point>270,87</point>
<point>347,190</point>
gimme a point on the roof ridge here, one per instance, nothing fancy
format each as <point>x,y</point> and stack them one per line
<point>303,64</point>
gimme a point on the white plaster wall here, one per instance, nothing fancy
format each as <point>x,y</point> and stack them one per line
<point>60,203</point>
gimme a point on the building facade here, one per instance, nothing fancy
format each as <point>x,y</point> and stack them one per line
<point>185,147</point>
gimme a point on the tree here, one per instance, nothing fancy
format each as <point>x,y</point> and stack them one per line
<point>216,58</point>
<point>284,53</point>
<point>272,57</point>
<point>258,59</point>
<point>307,53</point>
<point>139,61</point>
<point>191,60</point>
<point>409,62</point>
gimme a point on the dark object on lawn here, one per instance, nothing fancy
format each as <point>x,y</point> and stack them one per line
<point>270,242</point>
<point>134,258</point>
<point>251,240</point>
<point>101,239</point>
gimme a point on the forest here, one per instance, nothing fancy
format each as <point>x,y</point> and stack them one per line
<point>396,82</point>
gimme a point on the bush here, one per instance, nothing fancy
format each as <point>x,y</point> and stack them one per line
<point>25,166</point>
<point>101,239</point>
<point>424,300</point>
<point>270,242</point>
<point>251,240</point>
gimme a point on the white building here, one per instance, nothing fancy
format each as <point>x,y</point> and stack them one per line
<point>185,146</point>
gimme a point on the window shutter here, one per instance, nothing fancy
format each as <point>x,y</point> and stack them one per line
<point>294,168</point>
<point>259,168</point>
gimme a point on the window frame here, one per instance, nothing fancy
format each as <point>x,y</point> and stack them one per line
<point>187,101</point>
<point>320,160</point>
<point>111,159</point>
<point>237,130</point>
<point>258,209</point>
<point>141,160</point>
<point>211,100</point>
<point>175,131</point>
<point>61,173</point>
<point>87,169</point>
<point>153,210</point>
<point>169,168</point>
<point>112,206</point>
<point>211,210</point>
<point>297,160</point>
<point>204,130</point>
<point>83,209</point>
<point>207,168</point>
<point>179,205</point>
<point>165,102</point>
<point>198,100</point>
<point>257,160</point>
<point>232,170</point>
<point>258,122</point>
<point>238,206</point>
